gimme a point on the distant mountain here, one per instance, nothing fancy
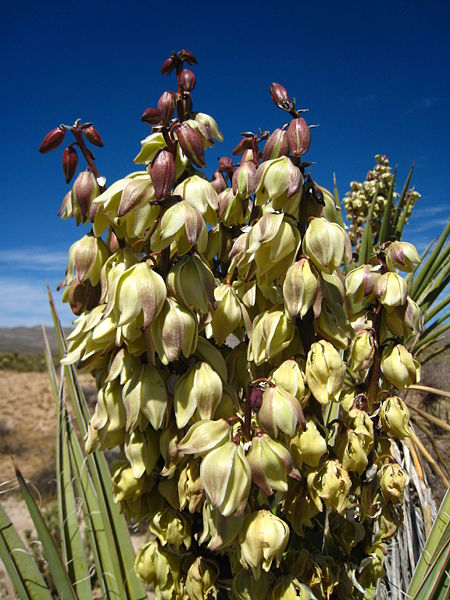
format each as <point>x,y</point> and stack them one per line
<point>28,340</point>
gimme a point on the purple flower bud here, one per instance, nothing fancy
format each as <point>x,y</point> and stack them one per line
<point>226,165</point>
<point>279,93</point>
<point>93,136</point>
<point>52,140</point>
<point>84,190</point>
<point>254,397</point>
<point>167,66</point>
<point>218,182</point>
<point>187,56</point>
<point>191,144</point>
<point>69,163</point>
<point>152,116</point>
<point>277,145</point>
<point>244,144</point>
<point>166,106</point>
<point>299,136</point>
<point>187,80</point>
<point>162,173</point>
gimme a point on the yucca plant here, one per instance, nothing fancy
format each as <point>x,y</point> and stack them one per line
<point>247,365</point>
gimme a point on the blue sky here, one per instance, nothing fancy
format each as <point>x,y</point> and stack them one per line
<point>374,76</point>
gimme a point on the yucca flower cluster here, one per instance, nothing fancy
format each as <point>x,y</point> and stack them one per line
<point>358,200</point>
<point>247,371</point>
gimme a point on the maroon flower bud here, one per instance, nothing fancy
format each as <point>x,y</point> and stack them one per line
<point>69,162</point>
<point>226,165</point>
<point>187,56</point>
<point>187,104</point>
<point>277,145</point>
<point>152,116</point>
<point>52,140</point>
<point>84,190</point>
<point>254,397</point>
<point>93,136</point>
<point>166,106</point>
<point>244,144</point>
<point>191,144</point>
<point>218,182</point>
<point>244,180</point>
<point>162,173</point>
<point>279,93</point>
<point>299,136</point>
<point>167,66</point>
<point>187,80</point>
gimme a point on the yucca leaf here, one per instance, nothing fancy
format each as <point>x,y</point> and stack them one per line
<point>421,279</point>
<point>71,541</point>
<point>337,202</point>
<point>401,201</point>
<point>114,523</point>
<point>56,566</point>
<point>385,232</point>
<point>430,571</point>
<point>366,246</point>
<point>106,563</point>
<point>433,335</point>
<point>437,308</point>
<point>19,565</point>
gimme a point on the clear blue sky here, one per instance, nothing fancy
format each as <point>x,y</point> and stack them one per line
<point>374,75</point>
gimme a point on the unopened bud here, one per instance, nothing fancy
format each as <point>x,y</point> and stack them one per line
<point>166,106</point>
<point>279,94</point>
<point>84,190</point>
<point>326,244</point>
<point>162,173</point>
<point>226,165</point>
<point>191,144</point>
<point>245,144</point>
<point>277,145</point>
<point>52,140</point>
<point>168,66</point>
<point>187,56</point>
<point>325,372</point>
<point>93,136</point>
<point>187,80</point>
<point>362,351</point>
<point>300,287</point>
<point>218,182</point>
<point>69,163</point>
<point>244,179</point>
<point>152,116</point>
<point>299,137</point>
